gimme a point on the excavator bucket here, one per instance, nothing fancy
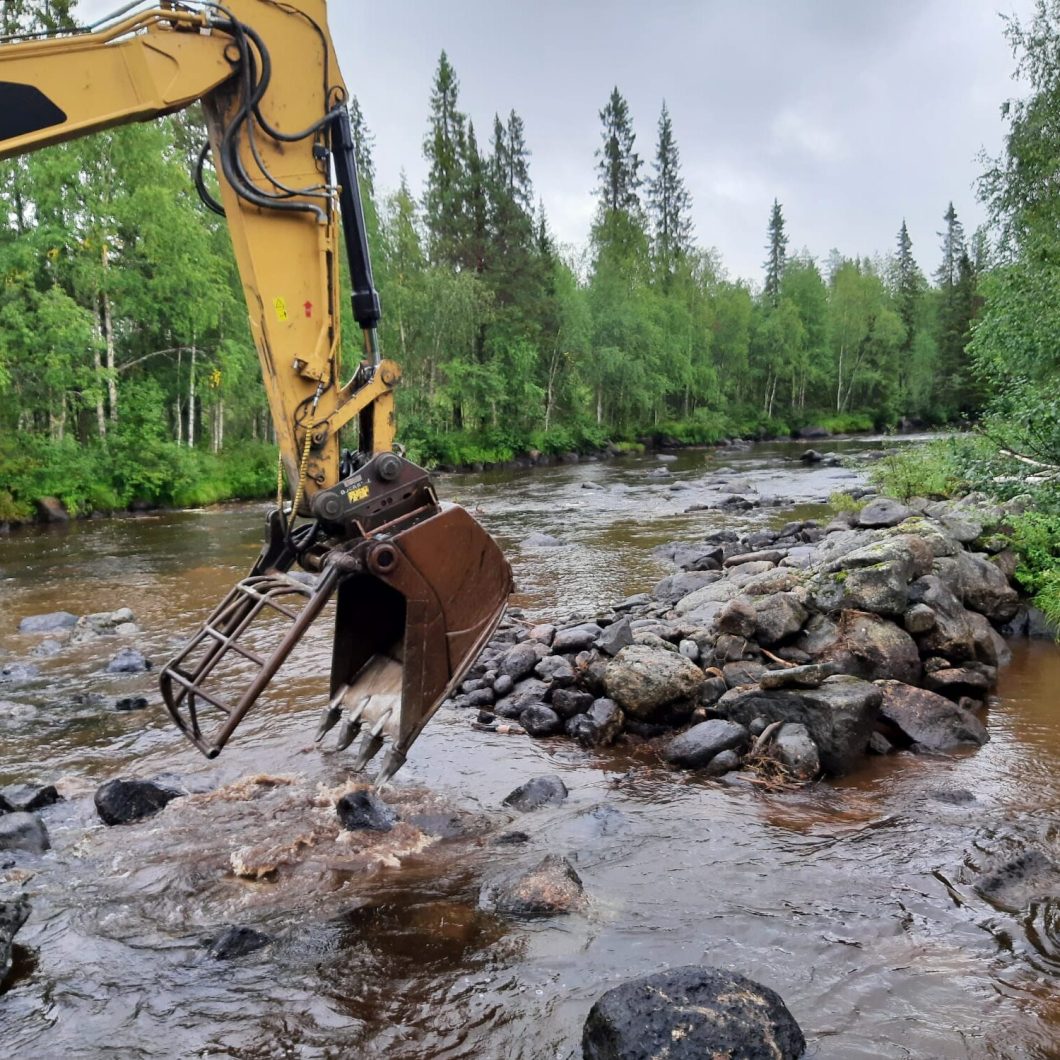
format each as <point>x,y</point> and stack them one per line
<point>420,588</point>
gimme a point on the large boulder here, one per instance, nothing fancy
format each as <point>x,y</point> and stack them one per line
<point>952,635</point>
<point>1028,877</point>
<point>27,797</point>
<point>985,588</point>
<point>697,746</point>
<point>862,644</point>
<point>691,1013</point>
<point>519,662</point>
<point>675,587</point>
<point>927,720</point>
<point>599,726</point>
<point>14,912</point>
<point>549,888</point>
<point>121,801</point>
<point>883,512</point>
<point>641,679</point>
<point>874,577</point>
<point>839,715</point>
<point>777,616</point>
<point>364,811</point>
<point>52,622</point>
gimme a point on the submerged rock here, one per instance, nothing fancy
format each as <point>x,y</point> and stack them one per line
<point>795,750</point>
<point>540,540</point>
<point>27,797</point>
<point>540,720</point>
<point>121,801</point>
<point>52,622</point>
<point>1026,878</point>
<point>237,941</point>
<point>129,661</point>
<point>691,1013</point>
<point>599,726</point>
<point>546,790</point>
<point>549,888</point>
<point>14,912</point>
<point>364,811</point>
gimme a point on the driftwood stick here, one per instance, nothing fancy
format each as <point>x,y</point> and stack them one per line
<point>765,737</point>
<point>776,658</point>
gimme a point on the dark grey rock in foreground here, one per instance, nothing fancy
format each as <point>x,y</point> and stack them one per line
<point>691,1013</point>
<point>694,748</point>
<point>128,661</point>
<point>27,797</point>
<point>364,811</point>
<point>23,831</point>
<point>237,941</point>
<point>548,790</point>
<point>121,801</point>
<point>549,888</point>
<point>13,914</point>
<point>927,720</point>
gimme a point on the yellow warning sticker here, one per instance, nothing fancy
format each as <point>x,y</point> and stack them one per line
<point>358,494</point>
<point>281,309</point>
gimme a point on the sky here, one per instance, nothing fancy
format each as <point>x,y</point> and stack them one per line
<point>854,114</point>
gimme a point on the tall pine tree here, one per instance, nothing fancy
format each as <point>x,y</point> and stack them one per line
<point>445,149</point>
<point>618,163</point>
<point>669,203</point>
<point>778,250</point>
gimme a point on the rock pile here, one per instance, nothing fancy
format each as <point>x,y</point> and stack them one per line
<point>807,644</point>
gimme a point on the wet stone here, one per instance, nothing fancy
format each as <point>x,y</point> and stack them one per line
<point>121,801</point>
<point>883,512</point>
<point>927,720</point>
<point>576,638</point>
<point>541,540</point>
<point>555,670</point>
<point>691,1013</point>
<point>615,637</point>
<point>131,703</point>
<point>364,811</point>
<point>810,676</point>
<point>503,684</point>
<point>540,720</point>
<point>697,746</point>
<point>237,941</point>
<point>47,649</point>
<point>128,661</point>
<point>28,797</point>
<point>567,702</point>
<point>49,623</point>
<point>520,661</point>
<point>599,726</point>
<point>17,672</point>
<point>547,790</point>
<point>549,888</point>
<point>1026,878</point>
<point>14,912</point>
<point>795,750</point>
<point>23,831</point>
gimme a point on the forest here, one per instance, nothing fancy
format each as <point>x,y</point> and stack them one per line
<point>128,375</point>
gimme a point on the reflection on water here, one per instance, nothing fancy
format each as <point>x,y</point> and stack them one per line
<point>856,901</point>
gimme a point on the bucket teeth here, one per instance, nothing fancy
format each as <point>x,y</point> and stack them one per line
<point>329,718</point>
<point>370,747</point>
<point>348,732</point>
<point>391,764</point>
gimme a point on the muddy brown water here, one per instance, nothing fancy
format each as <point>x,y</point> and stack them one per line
<point>854,899</point>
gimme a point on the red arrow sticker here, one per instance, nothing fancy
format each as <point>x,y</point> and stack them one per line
<point>308,307</point>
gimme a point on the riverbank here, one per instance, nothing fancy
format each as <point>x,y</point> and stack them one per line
<point>794,651</point>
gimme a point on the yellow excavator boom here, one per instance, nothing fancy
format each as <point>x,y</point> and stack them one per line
<point>420,586</point>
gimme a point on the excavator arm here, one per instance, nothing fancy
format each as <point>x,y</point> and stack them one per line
<point>418,586</point>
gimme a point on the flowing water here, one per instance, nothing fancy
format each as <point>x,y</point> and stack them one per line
<point>853,899</point>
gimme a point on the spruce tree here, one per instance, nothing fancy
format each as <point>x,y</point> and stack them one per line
<point>668,200</point>
<point>908,285</point>
<point>445,149</point>
<point>778,249</point>
<point>618,165</point>
<point>363,143</point>
<point>952,248</point>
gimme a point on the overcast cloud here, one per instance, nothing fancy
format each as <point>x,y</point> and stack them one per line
<point>853,114</point>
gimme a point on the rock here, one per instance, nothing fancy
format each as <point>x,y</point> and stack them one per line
<point>14,912</point>
<point>641,679</point>
<point>131,703</point>
<point>543,632</point>
<point>927,720</point>
<point>952,635</point>
<point>812,456</point>
<point>694,748</point>
<point>919,619</point>
<point>809,676</point>
<point>48,623</point>
<point>17,672</point>
<point>576,638</point>
<point>121,801</point>
<point>525,694</point>
<point>567,702</point>
<point>128,661</point>
<point>364,811</point>
<point>502,685</point>
<point>879,744</point>
<point>556,671</point>
<point>23,831</point>
<point>520,661</point>
<point>540,540</point>
<point>691,1013</point>
<point>548,790</point>
<point>237,941</point>
<point>549,888</point>
<point>675,587</point>
<point>777,617</point>
<point>1029,877</point>
<point>615,637</point>
<point>738,617</point>
<point>51,510</point>
<point>743,673</point>
<point>47,648</point>
<point>955,682</point>
<point>839,715</point>
<point>600,726</point>
<point>540,720</point>
<point>990,646</point>
<point>28,797</point>
<point>689,649</point>
<point>883,512</point>
<point>765,556</point>
<point>723,763</point>
<point>985,588</point>
<point>813,431</point>
<point>795,750</point>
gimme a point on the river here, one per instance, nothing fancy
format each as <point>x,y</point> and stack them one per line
<point>852,899</point>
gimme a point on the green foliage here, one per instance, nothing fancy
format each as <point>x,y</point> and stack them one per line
<point>935,470</point>
<point>1036,538</point>
<point>843,503</point>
